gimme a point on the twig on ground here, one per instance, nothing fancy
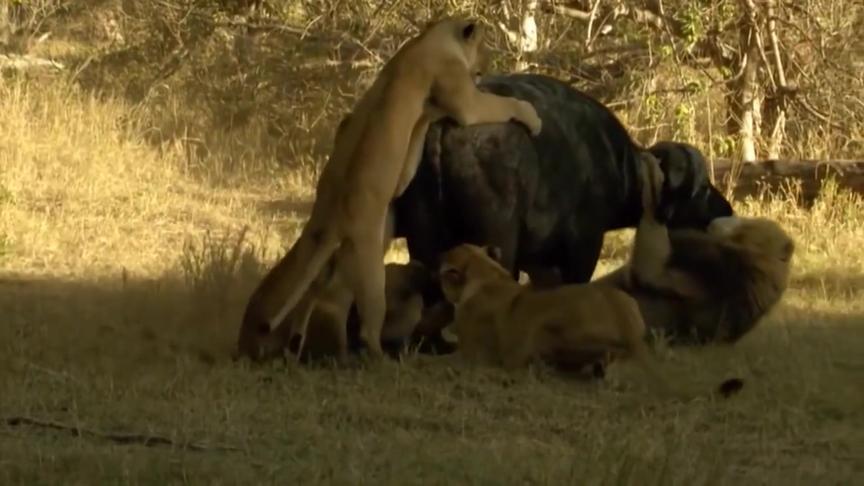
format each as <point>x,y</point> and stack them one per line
<point>59,375</point>
<point>125,439</point>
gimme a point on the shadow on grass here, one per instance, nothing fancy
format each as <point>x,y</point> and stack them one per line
<point>177,316</point>
<point>79,340</point>
<point>124,320</point>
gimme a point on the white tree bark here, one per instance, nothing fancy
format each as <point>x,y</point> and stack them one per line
<point>749,87</point>
<point>779,129</point>
<point>527,39</point>
<point>776,141</point>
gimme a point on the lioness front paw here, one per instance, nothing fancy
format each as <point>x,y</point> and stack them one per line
<point>528,116</point>
<point>652,181</point>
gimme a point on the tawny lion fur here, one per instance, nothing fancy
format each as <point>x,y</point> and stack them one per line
<point>499,322</point>
<point>502,323</point>
<point>375,155</point>
<point>325,337</point>
<point>706,286</point>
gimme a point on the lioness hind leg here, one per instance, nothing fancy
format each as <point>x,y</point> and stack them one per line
<point>363,268</point>
<point>339,323</point>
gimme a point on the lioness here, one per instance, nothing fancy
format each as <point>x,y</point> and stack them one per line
<point>545,201</point>
<point>326,336</point>
<point>498,321</point>
<point>375,155</point>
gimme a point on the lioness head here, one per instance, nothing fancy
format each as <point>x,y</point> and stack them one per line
<point>466,264</point>
<point>468,35</point>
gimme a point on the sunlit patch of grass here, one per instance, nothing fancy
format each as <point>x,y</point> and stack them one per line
<point>84,194</point>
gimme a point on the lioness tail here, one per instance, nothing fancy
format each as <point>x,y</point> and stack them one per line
<point>282,288</point>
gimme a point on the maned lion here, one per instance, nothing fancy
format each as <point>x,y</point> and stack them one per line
<point>705,286</point>
<point>498,321</point>
<point>502,323</point>
<point>375,155</point>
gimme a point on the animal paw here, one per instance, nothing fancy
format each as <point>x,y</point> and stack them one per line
<point>529,117</point>
<point>652,180</point>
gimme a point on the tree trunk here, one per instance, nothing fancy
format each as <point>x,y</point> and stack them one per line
<point>777,109</point>
<point>775,142</point>
<point>528,38</point>
<point>748,88</point>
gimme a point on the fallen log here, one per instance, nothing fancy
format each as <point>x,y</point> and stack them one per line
<point>750,179</point>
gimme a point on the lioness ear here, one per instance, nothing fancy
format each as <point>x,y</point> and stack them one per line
<point>494,252</point>
<point>469,30</point>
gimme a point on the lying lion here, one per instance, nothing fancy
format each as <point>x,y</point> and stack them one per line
<point>500,322</point>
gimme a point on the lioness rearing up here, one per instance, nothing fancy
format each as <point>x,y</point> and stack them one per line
<point>376,151</point>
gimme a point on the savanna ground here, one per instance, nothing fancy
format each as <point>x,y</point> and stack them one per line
<point>123,276</point>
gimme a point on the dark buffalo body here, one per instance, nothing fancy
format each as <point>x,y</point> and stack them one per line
<point>546,201</point>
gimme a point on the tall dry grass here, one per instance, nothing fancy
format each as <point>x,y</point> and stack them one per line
<point>84,195</point>
<point>123,275</point>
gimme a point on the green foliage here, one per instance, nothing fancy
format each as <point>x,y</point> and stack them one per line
<point>259,89</point>
<point>692,19</point>
<point>683,125</point>
<point>723,145</point>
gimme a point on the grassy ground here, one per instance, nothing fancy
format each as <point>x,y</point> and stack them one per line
<point>122,280</point>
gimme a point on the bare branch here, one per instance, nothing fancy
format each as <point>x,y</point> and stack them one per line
<point>573,13</point>
<point>816,114</point>
<point>775,42</point>
<point>591,19</point>
<point>511,35</point>
<point>331,63</point>
<point>141,439</point>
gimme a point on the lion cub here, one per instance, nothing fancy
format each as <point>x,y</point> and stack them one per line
<point>500,322</point>
<point>375,155</point>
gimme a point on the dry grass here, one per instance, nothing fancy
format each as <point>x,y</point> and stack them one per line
<point>122,280</point>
